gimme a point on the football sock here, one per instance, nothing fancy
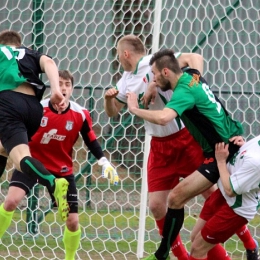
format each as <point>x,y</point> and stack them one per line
<point>35,168</point>
<point>218,252</point>
<point>71,243</point>
<point>160,224</point>
<point>173,222</point>
<point>245,236</point>
<point>5,219</point>
<point>178,249</point>
<point>3,161</point>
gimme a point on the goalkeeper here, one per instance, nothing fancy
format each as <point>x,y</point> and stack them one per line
<point>53,145</point>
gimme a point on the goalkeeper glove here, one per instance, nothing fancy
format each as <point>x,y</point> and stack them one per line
<point>108,171</point>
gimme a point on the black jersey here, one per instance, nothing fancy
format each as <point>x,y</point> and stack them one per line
<point>29,66</point>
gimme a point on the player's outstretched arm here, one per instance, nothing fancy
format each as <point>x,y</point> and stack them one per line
<point>49,67</point>
<point>192,60</point>
<point>159,117</point>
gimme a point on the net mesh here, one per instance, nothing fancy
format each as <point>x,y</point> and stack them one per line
<point>81,36</point>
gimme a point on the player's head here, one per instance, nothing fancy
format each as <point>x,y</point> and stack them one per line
<point>66,81</point>
<point>11,38</point>
<point>165,68</point>
<point>130,49</point>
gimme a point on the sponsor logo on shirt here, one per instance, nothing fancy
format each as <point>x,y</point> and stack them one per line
<point>52,135</point>
<point>195,80</point>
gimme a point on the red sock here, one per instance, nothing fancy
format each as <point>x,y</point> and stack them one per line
<point>160,224</point>
<point>245,236</point>
<point>178,248</point>
<point>193,258</point>
<point>218,253</point>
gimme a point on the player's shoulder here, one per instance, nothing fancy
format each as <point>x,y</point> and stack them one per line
<point>77,107</point>
<point>145,60</point>
<point>45,102</point>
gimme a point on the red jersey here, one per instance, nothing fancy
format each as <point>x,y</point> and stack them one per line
<point>53,142</point>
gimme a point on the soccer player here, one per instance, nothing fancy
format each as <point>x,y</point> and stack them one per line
<point>169,144</point>
<point>53,145</point>
<point>207,121</point>
<point>236,201</point>
<point>20,110</point>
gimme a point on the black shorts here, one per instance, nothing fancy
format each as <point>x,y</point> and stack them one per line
<point>209,168</point>
<point>20,117</point>
<point>26,183</point>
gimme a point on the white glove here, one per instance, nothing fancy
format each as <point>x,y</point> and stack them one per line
<point>108,171</point>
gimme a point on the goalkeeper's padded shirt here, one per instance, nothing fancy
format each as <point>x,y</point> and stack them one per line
<point>20,65</point>
<point>202,113</point>
<point>53,142</point>
<point>244,169</point>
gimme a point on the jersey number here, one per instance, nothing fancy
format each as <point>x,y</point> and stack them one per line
<point>9,55</point>
<point>211,96</point>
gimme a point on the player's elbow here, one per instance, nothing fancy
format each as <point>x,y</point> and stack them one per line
<point>230,192</point>
<point>46,62</point>
<point>162,120</point>
<point>165,116</point>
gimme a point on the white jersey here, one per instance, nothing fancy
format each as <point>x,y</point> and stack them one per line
<point>244,168</point>
<point>137,82</point>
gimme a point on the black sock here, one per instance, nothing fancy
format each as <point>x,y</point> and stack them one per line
<point>33,167</point>
<point>3,161</point>
<point>172,225</point>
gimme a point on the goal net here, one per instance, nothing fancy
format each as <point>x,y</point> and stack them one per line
<point>81,36</point>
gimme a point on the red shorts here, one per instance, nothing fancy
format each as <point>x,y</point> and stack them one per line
<point>170,158</point>
<point>222,221</point>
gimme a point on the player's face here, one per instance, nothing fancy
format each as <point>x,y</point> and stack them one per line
<point>66,87</point>
<point>163,83</point>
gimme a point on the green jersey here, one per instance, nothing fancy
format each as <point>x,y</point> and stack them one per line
<point>10,75</point>
<point>202,113</point>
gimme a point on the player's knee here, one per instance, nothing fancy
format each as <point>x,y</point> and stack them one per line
<point>176,199</point>
<point>158,208</point>
<point>11,204</point>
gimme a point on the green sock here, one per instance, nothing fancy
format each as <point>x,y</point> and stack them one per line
<point>71,243</point>
<point>5,219</point>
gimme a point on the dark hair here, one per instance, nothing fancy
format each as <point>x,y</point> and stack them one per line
<point>133,42</point>
<point>66,74</point>
<point>165,59</point>
<point>10,38</point>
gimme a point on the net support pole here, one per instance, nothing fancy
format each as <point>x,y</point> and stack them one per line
<point>143,200</point>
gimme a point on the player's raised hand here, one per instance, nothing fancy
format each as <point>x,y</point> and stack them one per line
<point>132,101</point>
<point>111,93</point>
<point>58,101</point>
<point>149,95</point>
<point>221,152</point>
<point>108,171</point>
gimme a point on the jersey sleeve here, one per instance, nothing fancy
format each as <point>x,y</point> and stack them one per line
<point>86,131</point>
<point>247,177</point>
<point>180,104</point>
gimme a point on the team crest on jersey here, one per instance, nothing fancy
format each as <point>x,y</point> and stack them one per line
<point>44,121</point>
<point>69,125</point>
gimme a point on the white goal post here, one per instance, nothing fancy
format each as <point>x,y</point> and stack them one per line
<point>81,36</point>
